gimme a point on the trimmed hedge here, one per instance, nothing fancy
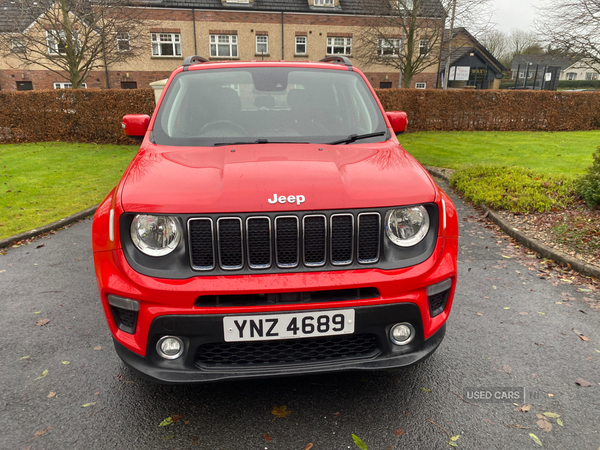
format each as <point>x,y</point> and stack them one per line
<point>579,84</point>
<point>88,115</point>
<point>83,115</point>
<point>494,110</point>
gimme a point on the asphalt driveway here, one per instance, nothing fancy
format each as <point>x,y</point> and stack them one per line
<point>62,385</point>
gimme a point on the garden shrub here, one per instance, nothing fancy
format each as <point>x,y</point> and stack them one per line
<point>514,189</point>
<point>588,185</point>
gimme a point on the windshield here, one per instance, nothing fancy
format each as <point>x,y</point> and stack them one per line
<point>267,104</point>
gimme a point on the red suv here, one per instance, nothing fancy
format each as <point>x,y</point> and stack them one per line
<point>271,224</point>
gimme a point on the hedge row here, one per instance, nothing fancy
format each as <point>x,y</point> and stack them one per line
<point>483,110</point>
<point>95,115</point>
<point>579,84</point>
<point>83,115</point>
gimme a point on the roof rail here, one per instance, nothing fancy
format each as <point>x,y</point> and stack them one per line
<point>195,59</point>
<point>338,60</point>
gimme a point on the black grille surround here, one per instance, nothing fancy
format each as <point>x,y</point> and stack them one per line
<point>280,242</point>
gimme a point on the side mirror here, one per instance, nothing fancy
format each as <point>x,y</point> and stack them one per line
<point>136,125</point>
<point>398,120</point>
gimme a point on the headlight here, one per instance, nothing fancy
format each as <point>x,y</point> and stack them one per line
<point>406,227</point>
<point>155,235</point>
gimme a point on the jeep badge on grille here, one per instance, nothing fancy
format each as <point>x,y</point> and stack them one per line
<point>298,199</point>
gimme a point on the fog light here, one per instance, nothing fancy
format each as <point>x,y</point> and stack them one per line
<point>170,347</point>
<point>402,333</point>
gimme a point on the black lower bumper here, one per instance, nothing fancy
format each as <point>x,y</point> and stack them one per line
<point>201,332</point>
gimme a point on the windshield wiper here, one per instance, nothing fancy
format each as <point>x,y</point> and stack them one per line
<point>354,137</point>
<point>258,141</point>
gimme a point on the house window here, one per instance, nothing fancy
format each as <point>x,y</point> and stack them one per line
<point>61,85</point>
<point>385,85</point>
<point>339,46</point>
<point>224,45</point>
<point>424,47</point>
<point>123,41</point>
<point>571,76</point>
<point>17,45</point>
<point>237,1</point>
<point>262,45</point>
<point>388,47</point>
<point>408,5</point>
<point>300,45</point>
<point>420,85</point>
<point>591,76</point>
<point>128,84</point>
<point>55,40</point>
<point>24,86</point>
<point>323,2</point>
<point>166,44</point>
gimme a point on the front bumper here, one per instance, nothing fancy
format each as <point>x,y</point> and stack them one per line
<point>206,331</point>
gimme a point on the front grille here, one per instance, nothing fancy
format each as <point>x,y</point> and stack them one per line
<point>306,350</point>
<point>437,302</point>
<point>284,241</point>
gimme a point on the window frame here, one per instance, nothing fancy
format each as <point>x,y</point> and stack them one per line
<point>383,44</point>
<point>66,85</point>
<point>324,3</point>
<point>123,37</point>
<point>53,44</point>
<point>17,45</point>
<point>347,45</point>
<point>233,43</point>
<point>424,43</point>
<point>157,43</point>
<point>422,83</point>
<point>305,44</point>
<point>266,43</point>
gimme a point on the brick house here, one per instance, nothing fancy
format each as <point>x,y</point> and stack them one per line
<point>300,30</point>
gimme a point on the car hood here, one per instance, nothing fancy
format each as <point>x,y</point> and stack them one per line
<point>248,178</point>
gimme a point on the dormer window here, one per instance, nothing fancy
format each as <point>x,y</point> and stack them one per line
<point>324,3</point>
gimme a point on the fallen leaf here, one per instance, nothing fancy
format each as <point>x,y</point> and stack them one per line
<point>535,439</point>
<point>43,432</point>
<point>479,314</point>
<point>27,357</point>
<point>169,436</point>
<point>507,307</point>
<point>552,415</point>
<point>426,390</point>
<point>87,405</point>
<point>489,421</point>
<point>507,257</point>
<point>309,446</point>
<point>455,438</point>
<point>399,432</point>
<point>583,383</point>
<point>66,362</point>
<point>51,394</point>
<point>594,349</point>
<point>541,313</point>
<point>337,414</point>
<point>177,417</point>
<point>550,395</point>
<point>268,437</point>
<point>42,322</point>
<point>359,443</point>
<point>507,368</point>
<point>99,347</point>
<point>524,408</point>
<point>44,373</point>
<point>523,313</point>
<point>41,245</point>
<point>37,312</point>
<point>560,422</point>
<point>544,424</point>
<point>281,411</point>
<point>167,421</point>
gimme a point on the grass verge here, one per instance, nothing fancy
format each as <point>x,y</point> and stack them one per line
<point>567,153</point>
<point>47,181</point>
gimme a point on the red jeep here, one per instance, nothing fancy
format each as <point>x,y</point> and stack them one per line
<point>271,224</point>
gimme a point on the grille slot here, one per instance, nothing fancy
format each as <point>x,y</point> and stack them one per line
<point>229,231</point>
<point>369,229</point>
<point>286,241</point>
<point>202,254</point>
<point>315,240</point>
<point>263,353</point>
<point>342,239</point>
<point>258,239</point>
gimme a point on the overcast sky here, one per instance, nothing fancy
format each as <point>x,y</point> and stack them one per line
<point>514,14</point>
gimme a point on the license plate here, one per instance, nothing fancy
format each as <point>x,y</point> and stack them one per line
<point>288,326</point>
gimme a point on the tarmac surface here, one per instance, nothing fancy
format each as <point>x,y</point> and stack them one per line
<point>63,386</point>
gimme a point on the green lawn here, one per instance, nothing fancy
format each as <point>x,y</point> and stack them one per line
<point>44,182</point>
<point>568,153</point>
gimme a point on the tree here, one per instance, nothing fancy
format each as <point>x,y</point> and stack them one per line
<point>71,37</point>
<point>495,41</point>
<point>572,26</point>
<point>403,34</point>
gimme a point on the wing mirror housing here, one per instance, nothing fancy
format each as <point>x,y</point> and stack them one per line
<point>136,125</point>
<point>398,120</point>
